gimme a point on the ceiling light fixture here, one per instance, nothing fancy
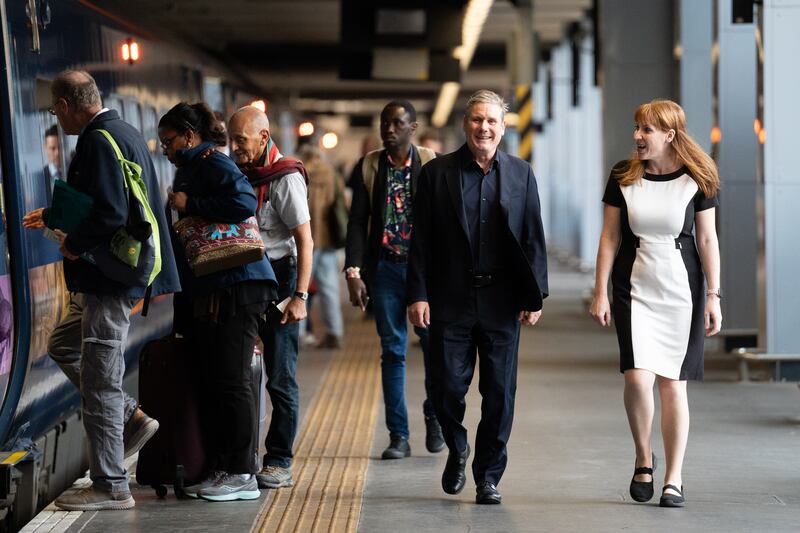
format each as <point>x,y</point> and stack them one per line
<point>474,19</point>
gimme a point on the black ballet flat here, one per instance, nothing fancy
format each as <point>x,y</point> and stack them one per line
<point>642,491</point>
<point>672,500</point>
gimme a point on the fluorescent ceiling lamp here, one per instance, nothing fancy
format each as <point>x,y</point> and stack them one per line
<point>474,19</point>
<point>444,105</point>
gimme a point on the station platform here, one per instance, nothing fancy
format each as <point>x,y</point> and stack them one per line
<point>570,453</point>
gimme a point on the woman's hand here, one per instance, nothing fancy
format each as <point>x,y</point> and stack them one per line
<point>600,309</point>
<point>713,315</point>
<point>177,200</point>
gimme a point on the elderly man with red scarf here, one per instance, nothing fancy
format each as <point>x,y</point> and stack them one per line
<point>283,216</point>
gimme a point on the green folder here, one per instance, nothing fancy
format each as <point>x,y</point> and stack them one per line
<point>69,207</point>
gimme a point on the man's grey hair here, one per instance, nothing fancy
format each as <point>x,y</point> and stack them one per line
<point>78,88</point>
<point>485,96</point>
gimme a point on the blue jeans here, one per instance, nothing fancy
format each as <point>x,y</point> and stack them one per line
<point>280,361</point>
<point>326,272</point>
<point>388,291</point>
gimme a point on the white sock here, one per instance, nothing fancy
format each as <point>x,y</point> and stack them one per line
<point>246,477</point>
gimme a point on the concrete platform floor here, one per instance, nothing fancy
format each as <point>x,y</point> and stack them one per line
<point>571,455</point>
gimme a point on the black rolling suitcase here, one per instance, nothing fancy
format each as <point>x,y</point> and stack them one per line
<point>168,392</point>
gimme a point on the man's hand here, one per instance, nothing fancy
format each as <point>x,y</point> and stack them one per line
<point>529,318</point>
<point>419,313</point>
<point>62,248</point>
<point>358,293</point>
<point>295,311</point>
<point>178,200</point>
<point>34,219</point>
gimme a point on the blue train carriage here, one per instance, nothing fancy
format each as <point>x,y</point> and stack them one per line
<point>41,434</point>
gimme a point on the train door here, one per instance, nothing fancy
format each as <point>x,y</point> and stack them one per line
<point>6,302</point>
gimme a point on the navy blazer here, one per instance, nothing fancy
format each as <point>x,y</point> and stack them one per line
<point>440,267</point>
<point>96,171</point>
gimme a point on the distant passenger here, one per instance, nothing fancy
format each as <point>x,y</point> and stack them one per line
<point>88,344</point>
<point>224,148</point>
<point>382,219</point>
<point>52,170</point>
<point>654,202</point>
<point>226,306</point>
<point>478,269</point>
<point>282,191</point>
<point>430,140</point>
<point>322,192</point>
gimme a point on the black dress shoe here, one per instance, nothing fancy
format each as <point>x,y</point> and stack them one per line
<point>642,491</point>
<point>453,477</point>
<point>672,500</point>
<point>434,440</point>
<point>487,494</point>
<point>398,448</point>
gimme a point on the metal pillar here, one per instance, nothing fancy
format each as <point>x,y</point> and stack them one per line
<point>781,185</point>
<point>736,156</point>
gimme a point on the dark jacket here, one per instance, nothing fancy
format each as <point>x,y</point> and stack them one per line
<point>219,192</point>
<point>366,222</point>
<point>440,267</point>
<point>95,170</point>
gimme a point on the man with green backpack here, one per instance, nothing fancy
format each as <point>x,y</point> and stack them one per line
<point>116,255</point>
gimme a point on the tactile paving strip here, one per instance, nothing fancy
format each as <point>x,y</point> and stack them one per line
<point>332,451</point>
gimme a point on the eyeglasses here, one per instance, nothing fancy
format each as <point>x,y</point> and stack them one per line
<point>166,143</point>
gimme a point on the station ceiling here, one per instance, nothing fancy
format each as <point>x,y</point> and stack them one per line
<point>291,48</point>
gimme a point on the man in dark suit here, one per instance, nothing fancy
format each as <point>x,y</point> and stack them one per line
<point>477,269</point>
<point>52,170</point>
<point>99,313</point>
<point>378,234</point>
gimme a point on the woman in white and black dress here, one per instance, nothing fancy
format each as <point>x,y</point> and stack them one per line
<point>661,310</point>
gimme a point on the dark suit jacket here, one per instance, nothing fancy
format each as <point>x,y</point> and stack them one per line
<point>96,171</point>
<point>365,225</point>
<point>440,263</point>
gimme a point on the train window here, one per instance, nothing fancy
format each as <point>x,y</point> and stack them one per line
<point>149,127</point>
<point>115,102</point>
<point>133,114</point>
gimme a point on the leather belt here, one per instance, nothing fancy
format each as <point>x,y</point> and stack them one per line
<point>482,280</point>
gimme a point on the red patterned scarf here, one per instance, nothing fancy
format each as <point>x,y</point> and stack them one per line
<point>275,167</point>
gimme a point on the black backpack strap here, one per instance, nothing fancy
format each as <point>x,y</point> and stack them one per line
<point>146,302</point>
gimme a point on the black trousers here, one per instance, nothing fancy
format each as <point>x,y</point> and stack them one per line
<point>223,342</point>
<point>489,335</point>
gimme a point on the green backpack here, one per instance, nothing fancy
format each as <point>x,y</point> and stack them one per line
<point>133,256</point>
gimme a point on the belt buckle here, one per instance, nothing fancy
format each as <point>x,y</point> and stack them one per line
<point>481,280</point>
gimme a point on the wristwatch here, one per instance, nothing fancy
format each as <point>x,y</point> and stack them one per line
<point>714,292</point>
<point>302,295</point>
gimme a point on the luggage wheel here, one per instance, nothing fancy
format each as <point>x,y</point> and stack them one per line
<point>161,491</point>
<point>177,487</point>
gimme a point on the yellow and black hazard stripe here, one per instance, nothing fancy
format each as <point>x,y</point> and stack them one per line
<point>525,122</point>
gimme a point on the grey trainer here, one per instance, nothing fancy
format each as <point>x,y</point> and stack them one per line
<point>231,487</point>
<point>92,499</point>
<point>274,477</point>
<point>192,490</point>
<point>137,431</point>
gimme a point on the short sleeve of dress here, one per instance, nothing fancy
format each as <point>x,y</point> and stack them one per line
<point>613,194</point>
<point>701,203</point>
